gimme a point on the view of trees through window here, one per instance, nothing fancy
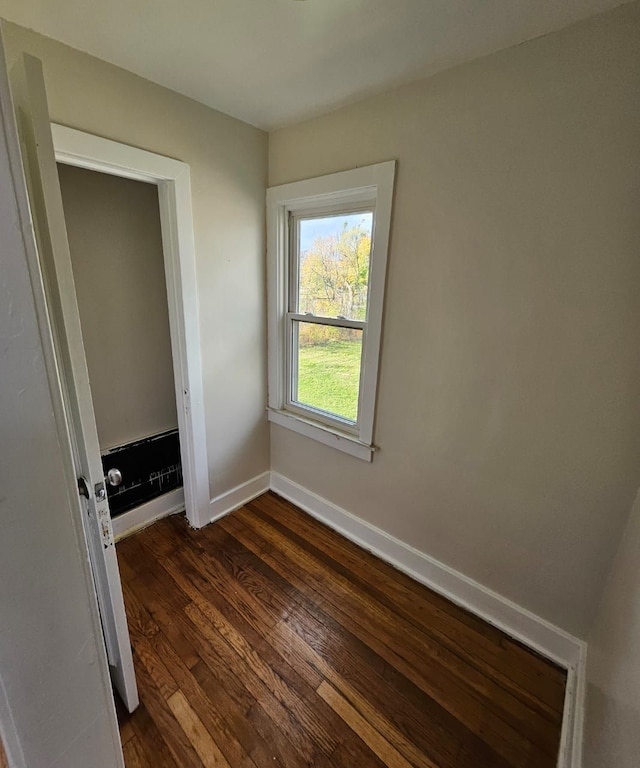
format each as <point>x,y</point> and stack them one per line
<point>333,280</point>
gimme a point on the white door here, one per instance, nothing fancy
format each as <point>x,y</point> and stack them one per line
<point>46,203</point>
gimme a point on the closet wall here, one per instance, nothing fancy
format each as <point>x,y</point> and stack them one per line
<point>116,249</point>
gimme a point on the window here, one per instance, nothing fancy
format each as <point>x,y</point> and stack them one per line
<point>328,240</point>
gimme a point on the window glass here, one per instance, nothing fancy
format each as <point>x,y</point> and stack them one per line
<point>333,258</point>
<point>327,360</point>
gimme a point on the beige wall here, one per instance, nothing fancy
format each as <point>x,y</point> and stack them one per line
<point>116,249</point>
<point>228,175</point>
<point>508,414</point>
<point>613,671</point>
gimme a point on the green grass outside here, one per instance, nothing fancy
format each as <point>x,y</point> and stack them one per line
<point>329,377</point>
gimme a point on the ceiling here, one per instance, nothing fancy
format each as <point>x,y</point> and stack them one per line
<point>275,62</point>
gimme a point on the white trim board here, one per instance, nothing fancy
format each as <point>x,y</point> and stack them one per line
<point>140,517</point>
<point>173,180</point>
<point>536,633</point>
<point>570,755</point>
<point>143,515</point>
<point>235,498</point>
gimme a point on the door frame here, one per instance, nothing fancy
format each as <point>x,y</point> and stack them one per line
<point>173,179</point>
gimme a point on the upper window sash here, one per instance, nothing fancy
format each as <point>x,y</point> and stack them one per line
<point>294,249</point>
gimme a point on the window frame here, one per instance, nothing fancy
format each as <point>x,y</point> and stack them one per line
<point>363,189</point>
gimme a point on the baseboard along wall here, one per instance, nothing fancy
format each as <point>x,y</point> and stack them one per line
<point>143,515</point>
<point>170,503</point>
<point>227,502</point>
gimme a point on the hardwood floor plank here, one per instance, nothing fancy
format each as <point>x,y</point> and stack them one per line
<point>164,611</point>
<point>210,578</point>
<point>162,679</point>
<point>287,697</point>
<point>478,642</point>
<point>396,642</point>
<point>206,709</point>
<point>210,711</point>
<point>215,656</point>
<point>353,659</point>
<point>395,696</point>
<point>514,709</point>
<point>268,666</point>
<point>126,733</point>
<point>127,572</point>
<point>134,754</point>
<point>138,617</point>
<point>266,639</point>
<point>222,656</point>
<point>151,741</point>
<point>378,744</point>
<point>373,715</point>
<point>275,674</point>
<point>300,663</point>
<point>447,670</point>
<point>444,730</point>
<point>179,745</point>
<point>195,731</point>
<point>369,666</point>
<point>133,553</point>
<point>259,736</point>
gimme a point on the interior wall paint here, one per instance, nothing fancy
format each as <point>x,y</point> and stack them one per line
<point>115,241</point>
<point>508,415</point>
<point>56,706</point>
<point>612,735</point>
<point>228,161</point>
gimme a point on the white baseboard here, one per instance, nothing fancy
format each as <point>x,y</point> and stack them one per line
<point>535,632</point>
<point>140,517</point>
<point>227,502</point>
<point>573,722</point>
<point>570,753</point>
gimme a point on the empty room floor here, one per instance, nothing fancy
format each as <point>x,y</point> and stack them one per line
<point>266,639</point>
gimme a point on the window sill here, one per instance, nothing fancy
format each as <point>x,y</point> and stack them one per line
<point>323,434</point>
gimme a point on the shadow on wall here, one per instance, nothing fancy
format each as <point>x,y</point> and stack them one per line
<point>612,736</point>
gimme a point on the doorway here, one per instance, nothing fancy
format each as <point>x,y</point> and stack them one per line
<point>170,181</point>
<point>115,239</point>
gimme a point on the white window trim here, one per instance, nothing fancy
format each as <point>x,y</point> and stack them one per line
<point>371,185</point>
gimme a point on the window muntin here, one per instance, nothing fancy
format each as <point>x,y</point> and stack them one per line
<point>329,263</point>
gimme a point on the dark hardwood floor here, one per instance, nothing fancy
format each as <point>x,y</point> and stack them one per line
<point>266,639</point>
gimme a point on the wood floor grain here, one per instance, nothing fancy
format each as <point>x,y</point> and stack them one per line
<point>266,639</point>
